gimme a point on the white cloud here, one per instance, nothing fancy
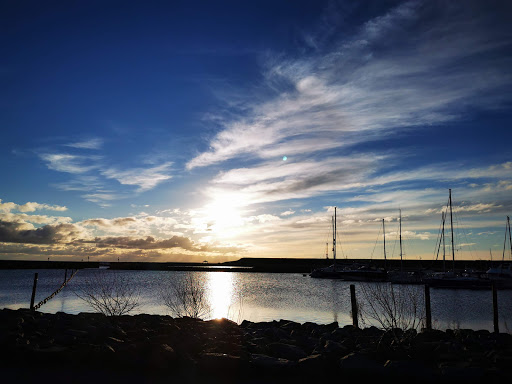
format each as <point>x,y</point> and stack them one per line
<point>29,207</point>
<point>144,178</point>
<point>94,143</point>
<point>64,162</point>
<point>36,219</point>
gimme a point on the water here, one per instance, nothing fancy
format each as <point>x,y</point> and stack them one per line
<point>256,297</point>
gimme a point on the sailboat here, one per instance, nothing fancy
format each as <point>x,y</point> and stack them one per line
<point>332,271</point>
<point>358,272</point>
<point>402,276</point>
<point>453,279</point>
<point>367,272</point>
<point>501,275</point>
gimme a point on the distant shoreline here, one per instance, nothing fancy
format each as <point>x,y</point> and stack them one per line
<point>247,264</point>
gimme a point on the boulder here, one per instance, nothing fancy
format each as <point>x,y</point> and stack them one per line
<point>286,351</point>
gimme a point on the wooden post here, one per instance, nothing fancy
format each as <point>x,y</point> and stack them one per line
<point>355,321</point>
<point>495,308</point>
<point>33,292</point>
<point>428,313</point>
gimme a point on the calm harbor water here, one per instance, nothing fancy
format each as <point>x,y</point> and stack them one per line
<point>257,297</point>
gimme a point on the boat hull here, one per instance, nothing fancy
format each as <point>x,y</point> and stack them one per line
<point>460,283</point>
<point>350,274</point>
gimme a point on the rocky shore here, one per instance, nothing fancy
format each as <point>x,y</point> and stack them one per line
<point>92,348</point>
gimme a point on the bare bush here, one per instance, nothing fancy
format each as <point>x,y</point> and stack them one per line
<point>109,292</point>
<point>186,296</point>
<point>236,307</point>
<point>392,307</point>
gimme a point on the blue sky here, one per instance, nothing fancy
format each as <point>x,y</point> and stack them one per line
<point>179,131</point>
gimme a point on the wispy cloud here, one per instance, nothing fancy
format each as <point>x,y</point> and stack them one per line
<point>365,88</point>
<point>144,178</point>
<point>94,143</point>
<point>91,173</point>
<point>65,162</point>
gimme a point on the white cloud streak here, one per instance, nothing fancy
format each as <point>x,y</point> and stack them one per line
<point>94,143</point>
<point>144,178</point>
<point>64,162</point>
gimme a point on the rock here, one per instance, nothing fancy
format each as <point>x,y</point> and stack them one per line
<point>275,333</point>
<point>463,374</point>
<point>372,331</point>
<point>65,339</point>
<point>263,352</point>
<point>113,340</point>
<point>358,363</point>
<point>409,371</point>
<point>270,363</point>
<point>76,333</point>
<point>221,363</point>
<point>312,363</point>
<point>286,351</point>
<point>334,349</point>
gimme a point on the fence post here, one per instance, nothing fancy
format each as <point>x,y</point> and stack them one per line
<point>495,308</point>
<point>355,321</point>
<point>33,292</point>
<point>428,313</point>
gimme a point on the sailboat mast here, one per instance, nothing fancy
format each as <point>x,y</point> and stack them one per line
<point>509,237</point>
<point>334,238</point>
<point>443,214</point>
<point>507,229</point>
<point>451,223</point>
<point>384,234</point>
<point>401,263</point>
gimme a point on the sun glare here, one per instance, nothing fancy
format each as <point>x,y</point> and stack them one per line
<point>222,217</point>
<point>220,285</point>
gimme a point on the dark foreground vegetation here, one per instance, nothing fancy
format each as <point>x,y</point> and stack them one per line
<point>93,348</point>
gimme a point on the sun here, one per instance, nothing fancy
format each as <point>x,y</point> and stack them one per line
<point>222,217</point>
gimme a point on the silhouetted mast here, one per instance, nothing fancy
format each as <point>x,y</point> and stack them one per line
<point>507,229</point>
<point>401,263</point>
<point>451,223</point>
<point>384,234</point>
<point>334,238</point>
<point>509,236</point>
<point>443,218</point>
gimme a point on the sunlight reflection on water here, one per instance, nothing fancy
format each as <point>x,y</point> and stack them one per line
<point>220,287</point>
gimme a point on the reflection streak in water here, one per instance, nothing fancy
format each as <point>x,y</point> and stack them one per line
<point>220,287</point>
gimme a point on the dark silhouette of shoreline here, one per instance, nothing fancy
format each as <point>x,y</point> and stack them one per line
<point>247,264</point>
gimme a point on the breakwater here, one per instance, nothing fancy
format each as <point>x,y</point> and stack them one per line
<point>250,264</point>
<point>153,348</point>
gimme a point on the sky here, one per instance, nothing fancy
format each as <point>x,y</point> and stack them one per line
<point>211,131</point>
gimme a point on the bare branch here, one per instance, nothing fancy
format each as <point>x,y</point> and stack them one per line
<point>110,292</point>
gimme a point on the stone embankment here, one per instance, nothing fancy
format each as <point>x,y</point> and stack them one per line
<point>92,348</point>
